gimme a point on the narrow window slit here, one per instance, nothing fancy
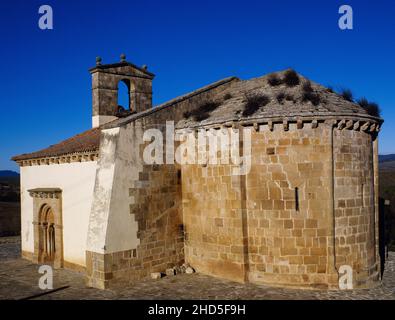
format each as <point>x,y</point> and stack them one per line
<point>297,199</point>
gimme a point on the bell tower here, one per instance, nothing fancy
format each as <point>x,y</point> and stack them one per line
<point>105,82</point>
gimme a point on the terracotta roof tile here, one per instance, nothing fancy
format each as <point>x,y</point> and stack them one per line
<point>83,142</point>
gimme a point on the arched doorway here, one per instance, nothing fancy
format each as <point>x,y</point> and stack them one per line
<point>48,226</point>
<point>47,234</point>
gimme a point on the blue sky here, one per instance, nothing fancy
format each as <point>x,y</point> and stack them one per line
<point>45,83</point>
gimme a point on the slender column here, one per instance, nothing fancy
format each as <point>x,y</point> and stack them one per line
<point>42,242</point>
<point>53,239</point>
<point>45,240</point>
<point>50,242</point>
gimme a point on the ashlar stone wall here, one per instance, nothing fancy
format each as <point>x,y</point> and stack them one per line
<point>249,227</point>
<point>305,209</point>
<point>355,214</point>
<point>289,206</point>
<point>136,224</point>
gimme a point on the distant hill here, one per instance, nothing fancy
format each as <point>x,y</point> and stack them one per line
<point>387,189</point>
<point>8,173</point>
<point>387,162</point>
<point>9,186</point>
<point>10,178</point>
<point>386,158</point>
<point>387,174</point>
<point>387,166</point>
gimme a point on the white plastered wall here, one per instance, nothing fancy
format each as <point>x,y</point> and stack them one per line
<point>111,226</point>
<point>100,120</point>
<point>76,180</point>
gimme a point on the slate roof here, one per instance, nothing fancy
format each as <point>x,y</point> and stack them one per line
<point>231,109</point>
<point>170,103</point>
<point>227,110</point>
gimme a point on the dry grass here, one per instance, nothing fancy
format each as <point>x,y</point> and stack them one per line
<point>347,95</point>
<point>202,112</point>
<point>291,78</point>
<point>307,86</point>
<point>274,80</point>
<point>254,102</point>
<point>280,97</point>
<point>227,96</point>
<point>313,97</point>
<point>371,108</point>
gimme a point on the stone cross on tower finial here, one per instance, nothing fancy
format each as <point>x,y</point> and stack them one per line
<point>123,57</point>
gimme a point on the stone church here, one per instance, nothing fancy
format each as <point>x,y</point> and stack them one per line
<point>307,207</point>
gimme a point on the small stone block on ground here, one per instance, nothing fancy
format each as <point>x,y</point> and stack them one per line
<point>189,270</point>
<point>156,275</point>
<point>171,272</point>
